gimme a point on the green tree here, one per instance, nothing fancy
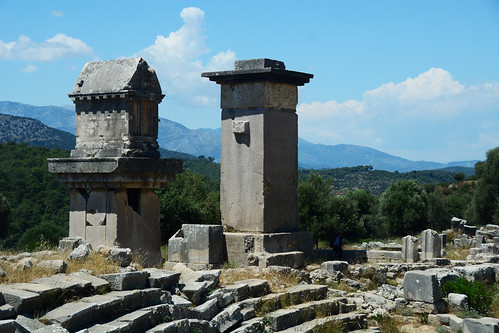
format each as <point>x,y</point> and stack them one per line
<point>344,215</point>
<point>485,202</point>
<point>314,195</point>
<point>4,216</point>
<point>437,216</point>
<point>403,208</point>
<point>188,200</point>
<point>367,206</point>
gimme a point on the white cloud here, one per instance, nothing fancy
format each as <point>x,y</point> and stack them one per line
<point>428,117</point>
<point>57,13</point>
<point>57,47</point>
<point>177,61</point>
<point>29,69</point>
<point>429,85</point>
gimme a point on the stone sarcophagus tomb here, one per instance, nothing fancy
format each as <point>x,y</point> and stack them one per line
<point>259,162</point>
<point>115,166</point>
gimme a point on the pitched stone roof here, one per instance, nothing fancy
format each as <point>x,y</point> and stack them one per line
<point>116,76</point>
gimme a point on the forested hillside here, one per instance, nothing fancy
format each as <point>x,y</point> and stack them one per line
<point>360,201</point>
<point>33,133</point>
<point>377,181</point>
<point>39,203</point>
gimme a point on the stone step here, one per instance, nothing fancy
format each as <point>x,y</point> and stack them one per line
<point>292,316</point>
<point>183,325</point>
<point>98,308</point>
<point>346,322</point>
<point>240,290</point>
<point>293,295</point>
<point>43,294</point>
<point>293,259</point>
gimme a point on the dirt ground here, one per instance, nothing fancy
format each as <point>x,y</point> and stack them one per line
<point>411,328</point>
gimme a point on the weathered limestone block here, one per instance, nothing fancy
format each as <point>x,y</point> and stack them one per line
<point>335,266</point>
<point>135,321</point>
<point>98,284</point>
<point>458,302</point>
<point>431,245</point>
<point>53,266</point>
<point>470,230</point>
<point>457,223</point>
<point>256,287</point>
<point>483,272</point>
<point>162,279</point>
<point>207,310</point>
<point>127,280</point>
<point>482,325</point>
<point>198,243</point>
<point>81,252</point>
<point>71,285</point>
<point>422,286</point>
<point>11,326</point>
<point>195,291</point>
<point>72,316</point>
<point>180,301</point>
<point>227,318</point>
<point>410,249</point>
<point>70,243</point>
<point>120,256</point>
<point>21,300</point>
<point>443,239</point>
<point>7,311</point>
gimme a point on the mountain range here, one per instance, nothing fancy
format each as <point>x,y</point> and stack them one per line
<point>178,138</point>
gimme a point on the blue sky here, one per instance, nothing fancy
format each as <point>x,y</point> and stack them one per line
<point>416,79</point>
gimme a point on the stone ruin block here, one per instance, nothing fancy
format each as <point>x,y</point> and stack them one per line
<point>410,249</point>
<point>199,244</point>
<point>426,286</point>
<point>470,230</point>
<point>431,245</point>
<point>443,239</point>
<point>457,224</point>
<point>422,286</point>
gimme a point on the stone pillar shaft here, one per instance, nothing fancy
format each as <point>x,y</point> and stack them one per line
<point>259,169</point>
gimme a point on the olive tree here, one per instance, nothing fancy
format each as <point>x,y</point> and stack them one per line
<point>403,208</point>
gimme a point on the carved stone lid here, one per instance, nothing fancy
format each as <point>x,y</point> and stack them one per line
<point>258,70</point>
<point>131,76</point>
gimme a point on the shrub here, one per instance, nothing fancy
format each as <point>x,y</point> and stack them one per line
<point>480,297</point>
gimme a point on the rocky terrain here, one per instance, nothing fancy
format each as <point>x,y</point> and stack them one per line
<point>332,296</point>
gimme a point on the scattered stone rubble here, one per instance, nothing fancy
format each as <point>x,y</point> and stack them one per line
<point>183,300</point>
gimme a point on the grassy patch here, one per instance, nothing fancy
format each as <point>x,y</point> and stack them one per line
<point>278,280</point>
<point>96,263</point>
<point>387,324</point>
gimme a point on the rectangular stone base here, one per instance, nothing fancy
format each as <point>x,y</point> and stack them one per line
<point>280,249</point>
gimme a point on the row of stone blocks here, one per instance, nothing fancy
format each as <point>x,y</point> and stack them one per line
<point>141,301</point>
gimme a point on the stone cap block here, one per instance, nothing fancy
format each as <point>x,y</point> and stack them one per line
<point>240,65</point>
<point>259,70</point>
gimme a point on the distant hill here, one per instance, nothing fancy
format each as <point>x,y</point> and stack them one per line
<point>53,116</point>
<point>319,156</point>
<point>33,133</point>
<point>177,138</point>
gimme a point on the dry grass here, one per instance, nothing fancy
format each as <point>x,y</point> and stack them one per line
<point>278,280</point>
<point>96,263</point>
